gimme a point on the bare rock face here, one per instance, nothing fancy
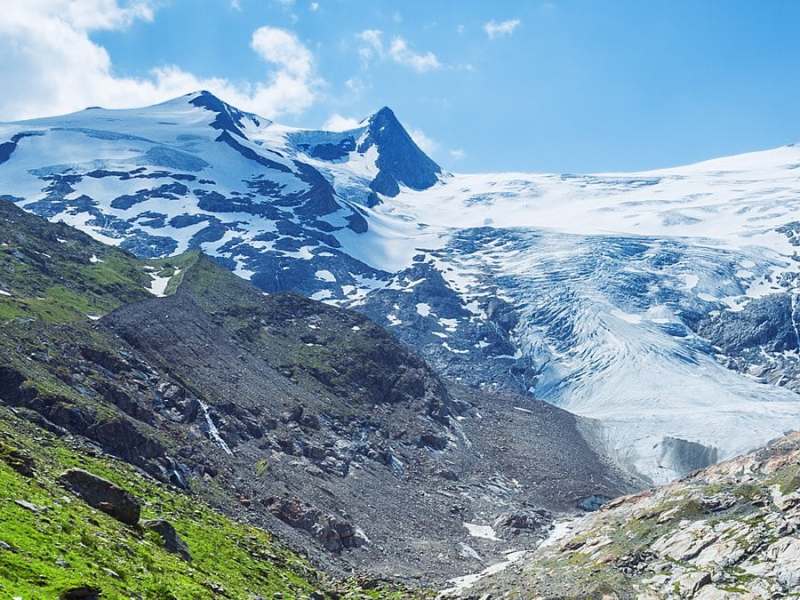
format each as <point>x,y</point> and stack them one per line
<point>730,531</point>
<point>333,533</point>
<point>102,495</point>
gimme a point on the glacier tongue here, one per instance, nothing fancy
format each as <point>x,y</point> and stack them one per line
<point>606,319</point>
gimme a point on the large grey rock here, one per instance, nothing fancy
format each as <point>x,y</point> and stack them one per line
<point>333,533</point>
<point>102,495</point>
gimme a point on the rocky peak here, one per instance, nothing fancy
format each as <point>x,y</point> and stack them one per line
<point>229,118</point>
<point>400,160</point>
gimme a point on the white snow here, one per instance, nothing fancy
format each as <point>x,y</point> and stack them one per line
<point>213,432</point>
<point>482,531</point>
<point>158,285</point>
<point>324,275</point>
<point>601,322</point>
<point>461,584</point>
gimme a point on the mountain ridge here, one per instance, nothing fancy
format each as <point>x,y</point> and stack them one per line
<point>617,296</point>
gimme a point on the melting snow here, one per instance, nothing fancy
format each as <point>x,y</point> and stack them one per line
<point>482,531</point>
<point>324,275</point>
<point>213,432</point>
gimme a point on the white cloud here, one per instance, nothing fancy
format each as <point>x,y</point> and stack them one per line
<point>495,29</point>
<point>236,5</point>
<point>337,122</point>
<point>457,154</point>
<point>427,145</point>
<point>52,66</point>
<point>399,51</point>
<point>314,6</point>
<point>371,44</point>
<point>356,86</point>
<point>421,62</point>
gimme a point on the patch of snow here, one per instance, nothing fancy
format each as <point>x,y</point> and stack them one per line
<point>423,309</point>
<point>213,432</point>
<point>324,275</point>
<point>485,532</point>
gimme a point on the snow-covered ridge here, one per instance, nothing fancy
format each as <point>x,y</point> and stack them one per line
<point>613,295</point>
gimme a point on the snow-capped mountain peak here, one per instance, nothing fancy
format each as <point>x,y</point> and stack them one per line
<point>229,118</point>
<point>638,299</point>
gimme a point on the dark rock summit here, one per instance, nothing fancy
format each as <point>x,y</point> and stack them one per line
<point>400,161</point>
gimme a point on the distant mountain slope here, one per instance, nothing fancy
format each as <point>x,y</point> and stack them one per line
<point>302,418</point>
<point>662,303</point>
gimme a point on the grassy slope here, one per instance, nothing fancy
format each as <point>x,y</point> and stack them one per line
<point>67,543</point>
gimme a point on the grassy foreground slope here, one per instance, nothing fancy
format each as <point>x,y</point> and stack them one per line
<point>52,542</point>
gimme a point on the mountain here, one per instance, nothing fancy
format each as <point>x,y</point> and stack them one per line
<point>300,418</point>
<point>729,531</point>
<point>661,304</point>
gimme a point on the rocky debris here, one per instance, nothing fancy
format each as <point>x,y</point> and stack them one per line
<point>729,531</point>
<point>593,502</point>
<point>172,541</point>
<point>532,521</point>
<point>102,495</point>
<point>315,402</point>
<point>333,533</point>
<point>435,441</point>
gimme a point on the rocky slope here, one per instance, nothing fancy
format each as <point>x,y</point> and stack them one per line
<point>302,418</point>
<point>729,531</point>
<point>77,523</point>
<point>655,302</point>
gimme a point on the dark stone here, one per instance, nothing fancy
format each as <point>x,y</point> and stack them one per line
<point>83,592</point>
<point>172,541</point>
<point>20,462</point>
<point>433,440</point>
<point>333,533</point>
<point>103,495</point>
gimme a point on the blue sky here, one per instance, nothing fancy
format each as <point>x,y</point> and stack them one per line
<point>558,85</point>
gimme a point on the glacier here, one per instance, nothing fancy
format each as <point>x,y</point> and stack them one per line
<point>660,304</point>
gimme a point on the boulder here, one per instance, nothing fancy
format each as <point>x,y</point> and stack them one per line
<point>333,533</point>
<point>83,592</point>
<point>102,495</point>
<point>20,462</point>
<point>172,541</point>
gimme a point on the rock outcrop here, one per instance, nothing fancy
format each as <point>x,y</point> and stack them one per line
<point>729,531</point>
<point>102,495</point>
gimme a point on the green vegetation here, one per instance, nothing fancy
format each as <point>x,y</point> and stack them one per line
<point>55,281</point>
<point>56,541</point>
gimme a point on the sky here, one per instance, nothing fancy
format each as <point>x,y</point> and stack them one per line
<point>574,86</point>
